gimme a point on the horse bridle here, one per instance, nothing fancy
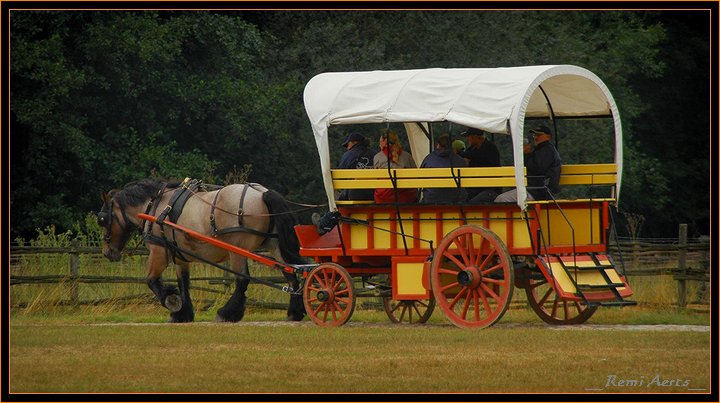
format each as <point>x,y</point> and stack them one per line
<point>105,219</point>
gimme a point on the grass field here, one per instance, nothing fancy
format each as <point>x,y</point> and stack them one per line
<point>124,352</point>
<point>122,345</point>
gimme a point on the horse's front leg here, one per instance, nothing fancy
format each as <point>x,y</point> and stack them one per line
<point>186,312</point>
<point>156,264</point>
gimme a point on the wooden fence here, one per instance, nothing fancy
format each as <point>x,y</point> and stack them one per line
<point>687,260</point>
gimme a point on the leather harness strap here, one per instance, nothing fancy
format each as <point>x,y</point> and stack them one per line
<point>240,228</point>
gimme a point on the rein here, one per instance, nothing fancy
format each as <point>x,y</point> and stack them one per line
<point>240,214</point>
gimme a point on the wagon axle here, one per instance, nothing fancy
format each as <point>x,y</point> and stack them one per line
<point>470,277</point>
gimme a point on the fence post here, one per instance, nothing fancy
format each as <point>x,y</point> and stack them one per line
<point>636,254</point>
<point>74,271</point>
<point>682,249</point>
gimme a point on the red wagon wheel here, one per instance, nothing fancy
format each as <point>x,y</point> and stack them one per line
<point>409,311</point>
<point>328,295</point>
<point>472,277</point>
<point>543,299</point>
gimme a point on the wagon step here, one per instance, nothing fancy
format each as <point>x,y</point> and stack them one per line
<point>589,268</point>
<point>594,287</point>
<point>611,303</point>
<point>590,276</point>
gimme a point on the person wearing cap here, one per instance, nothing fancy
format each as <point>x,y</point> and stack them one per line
<point>443,157</point>
<point>543,166</point>
<point>357,156</point>
<point>481,152</point>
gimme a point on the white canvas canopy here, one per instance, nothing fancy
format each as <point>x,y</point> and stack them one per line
<point>496,100</point>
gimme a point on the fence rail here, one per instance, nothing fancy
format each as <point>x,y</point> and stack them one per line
<point>685,260</point>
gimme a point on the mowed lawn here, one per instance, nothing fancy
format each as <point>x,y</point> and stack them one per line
<point>361,357</point>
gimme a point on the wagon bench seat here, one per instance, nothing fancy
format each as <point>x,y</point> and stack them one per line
<point>423,178</point>
<point>469,177</point>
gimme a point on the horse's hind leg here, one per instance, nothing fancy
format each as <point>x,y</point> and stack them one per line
<point>186,312</point>
<point>234,309</point>
<point>296,309</point>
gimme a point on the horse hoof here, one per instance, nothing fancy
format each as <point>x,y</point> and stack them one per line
<point>220,319</point>
<point>173,303</point>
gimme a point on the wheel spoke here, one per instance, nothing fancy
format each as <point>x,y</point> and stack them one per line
<point>449,286</point>
<point>488,259</point>
<point>453,259</point>
<point>471,249</point>
<point>337,309</point>
<point>493,281</point>
<point>566,307</point>
<point>466,304</point>
<point>555,307</point>
<point>486,304</point>
<point>479,251</point>
<point>463,252</point>
<point>476,305</point>
<point>452,272</point>
<point>490,292</point>
<point>415,308</point>
<point>492,269</point>
<point>457,297</point>
<point>324,309</point>
<point>545,297</point>
<point>538,284</point>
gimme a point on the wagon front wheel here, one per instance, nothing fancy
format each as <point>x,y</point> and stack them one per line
<point>472,277</point>
<point>409,311</point>
<point>328,295</point>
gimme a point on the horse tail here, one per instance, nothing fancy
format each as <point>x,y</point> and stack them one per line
<point>285,221</point>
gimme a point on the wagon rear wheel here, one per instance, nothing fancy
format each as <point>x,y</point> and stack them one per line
<point>472,277</point>
<point>328,295</point>
<point>409,311</point>
<point>543,299</point>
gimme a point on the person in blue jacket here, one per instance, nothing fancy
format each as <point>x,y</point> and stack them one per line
<point>357,156</point>
<point>443,157</point>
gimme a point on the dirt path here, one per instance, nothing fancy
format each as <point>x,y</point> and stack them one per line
<point>664,328</point>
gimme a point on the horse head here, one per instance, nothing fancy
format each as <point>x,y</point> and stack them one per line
<point>117,228</point>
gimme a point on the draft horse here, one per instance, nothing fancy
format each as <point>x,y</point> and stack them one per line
<point>248,216</point>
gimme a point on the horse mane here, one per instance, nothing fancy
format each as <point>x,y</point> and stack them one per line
<point>135,193</point>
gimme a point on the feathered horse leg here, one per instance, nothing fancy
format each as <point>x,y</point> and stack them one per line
<point>156,264</point>
<point>234,308</point>
<point>186,312</point>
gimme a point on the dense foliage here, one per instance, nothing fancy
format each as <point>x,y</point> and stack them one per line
<point>102,98</point>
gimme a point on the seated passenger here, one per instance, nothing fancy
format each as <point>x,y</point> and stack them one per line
<point>443,157</point>
<point>391,152</point>
<point>543,166</point>
<point>357,156</point>
<point>481,152</point>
